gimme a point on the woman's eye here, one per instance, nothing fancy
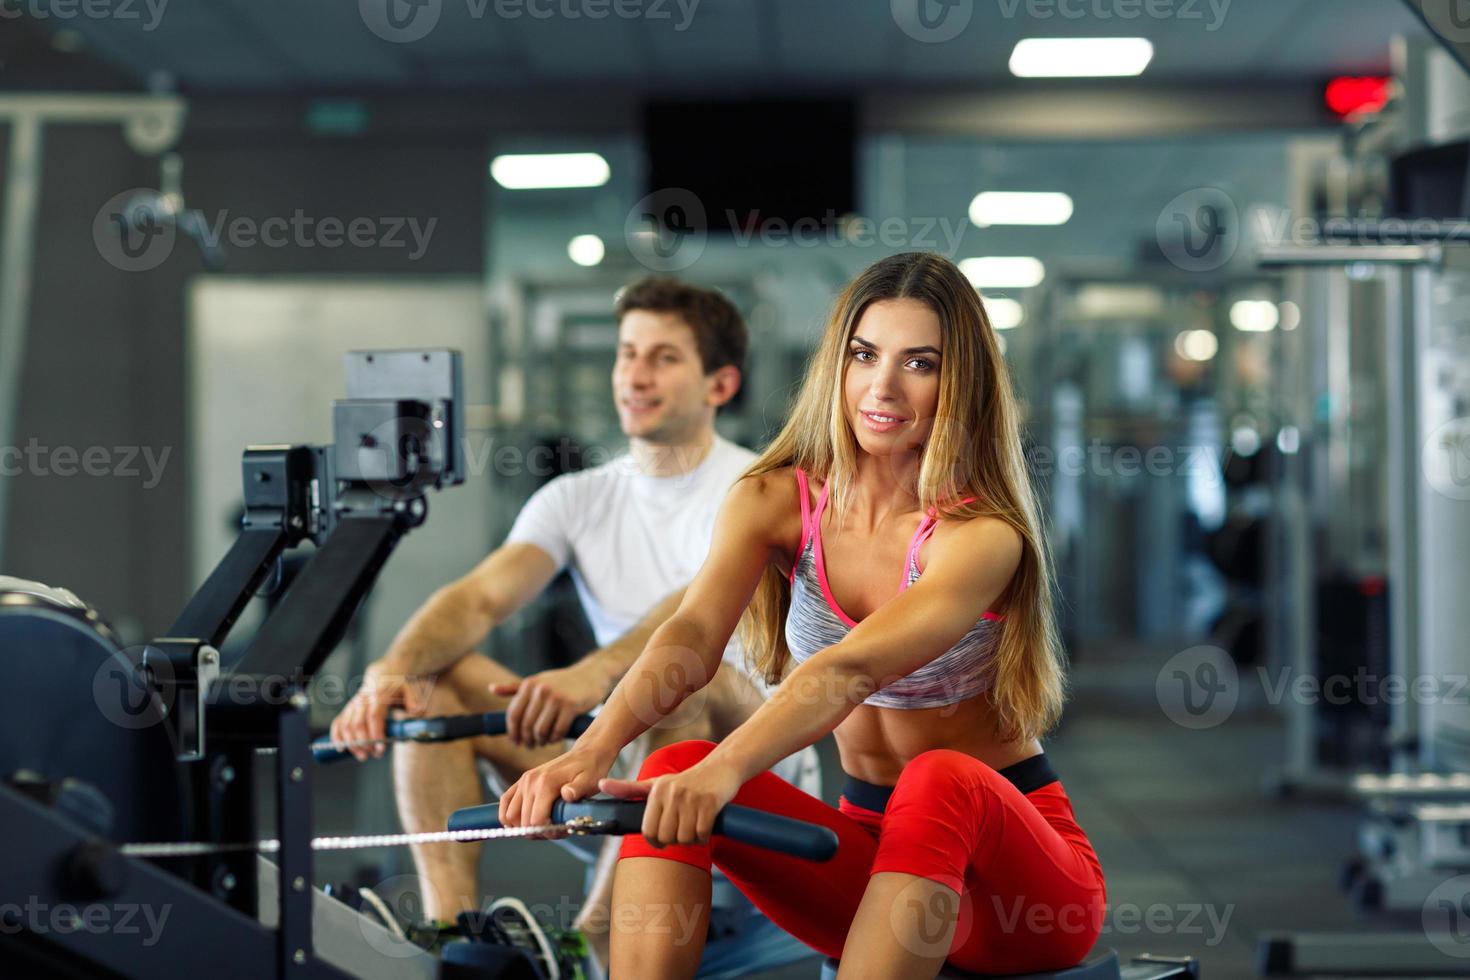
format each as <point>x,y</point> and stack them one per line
<point>860,353</point>
<point>923,364</point>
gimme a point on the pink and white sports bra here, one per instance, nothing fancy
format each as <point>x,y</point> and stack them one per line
<point>815,622</point>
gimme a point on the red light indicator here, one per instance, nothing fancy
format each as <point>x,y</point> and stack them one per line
<point>1350,96</point>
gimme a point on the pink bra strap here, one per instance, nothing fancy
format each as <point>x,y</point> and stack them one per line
<point>806,520</point>
<point>806,507</point>
<point>922,534</point>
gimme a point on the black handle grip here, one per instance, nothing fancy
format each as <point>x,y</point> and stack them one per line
<point>749,826</point>
<point>444,728</point>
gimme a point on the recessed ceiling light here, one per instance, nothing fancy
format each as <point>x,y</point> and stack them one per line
<point>1081,57</point>
<point>1004,313</point>
<point>586,250</point>
<point>1003,271</point>
<point>1196,345</point>
<point>537,171</point>
<point>1111,301</point>
<point>1020,208</point>
<point>1291,315</point>
<point>1254,315</point>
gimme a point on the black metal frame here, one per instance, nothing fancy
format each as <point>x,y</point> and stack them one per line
<point>292,494</point>
<point>200,937</point>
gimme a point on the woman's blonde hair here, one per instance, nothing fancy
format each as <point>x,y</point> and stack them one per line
<point>974,449</point>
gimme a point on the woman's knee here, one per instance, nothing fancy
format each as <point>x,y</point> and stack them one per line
<point>943,774</point>
<point>675,758</point>
<point>942,765</point>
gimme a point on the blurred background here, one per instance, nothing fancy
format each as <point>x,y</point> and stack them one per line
<point>1223,241</point>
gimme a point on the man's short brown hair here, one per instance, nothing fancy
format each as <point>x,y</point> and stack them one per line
<point>719,330</point>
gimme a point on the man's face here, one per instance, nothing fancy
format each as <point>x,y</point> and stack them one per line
<point>659,386</point>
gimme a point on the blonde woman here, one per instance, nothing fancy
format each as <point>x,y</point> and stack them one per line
<point>887,557</point>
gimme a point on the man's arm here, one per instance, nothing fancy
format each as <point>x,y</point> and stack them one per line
<point>459,616</point>
<point>545,704</point>
<point>444,629</point>
<point>612,661</point>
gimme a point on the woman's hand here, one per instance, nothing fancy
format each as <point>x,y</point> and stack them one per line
<point>570,776</point>
<point>682,806</point>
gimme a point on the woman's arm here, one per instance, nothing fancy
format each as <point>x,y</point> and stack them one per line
<point>966,572</point>
<point>684,653</point>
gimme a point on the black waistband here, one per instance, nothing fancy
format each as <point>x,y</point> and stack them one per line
<point>1026,775</point>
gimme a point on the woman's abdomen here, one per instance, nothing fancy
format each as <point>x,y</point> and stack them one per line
<point>876,743</point>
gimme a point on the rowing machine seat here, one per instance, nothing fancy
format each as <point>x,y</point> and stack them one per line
<point>1101,964</point>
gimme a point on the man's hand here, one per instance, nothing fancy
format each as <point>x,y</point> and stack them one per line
<point>366,714</point>
<point>545,704</point>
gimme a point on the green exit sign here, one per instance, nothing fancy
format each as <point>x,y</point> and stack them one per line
<point>336,117</point>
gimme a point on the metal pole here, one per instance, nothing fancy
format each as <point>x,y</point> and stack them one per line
<point>17,252</point>
<point>1406,308</point>
<point>151,124</point>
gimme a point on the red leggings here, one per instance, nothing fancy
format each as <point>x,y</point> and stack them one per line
<point>1032,895</point>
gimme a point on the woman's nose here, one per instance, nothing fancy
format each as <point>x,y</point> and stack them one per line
<point>884,384</point>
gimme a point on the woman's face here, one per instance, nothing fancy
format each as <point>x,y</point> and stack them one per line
<point>891,385</point>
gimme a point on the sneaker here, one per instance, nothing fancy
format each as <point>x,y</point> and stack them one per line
<point>559,954</point>
<point>434,935</point>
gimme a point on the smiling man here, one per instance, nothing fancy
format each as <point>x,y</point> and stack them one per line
<point>632,532</point>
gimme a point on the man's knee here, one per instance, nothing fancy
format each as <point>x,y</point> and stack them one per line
<point>675,758</point>
<point>466,686</point>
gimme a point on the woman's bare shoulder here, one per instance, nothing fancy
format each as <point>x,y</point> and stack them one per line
<point>984,534</point>
<point>770,498</point>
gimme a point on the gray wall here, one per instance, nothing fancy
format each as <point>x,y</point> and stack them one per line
<point>105,350</point>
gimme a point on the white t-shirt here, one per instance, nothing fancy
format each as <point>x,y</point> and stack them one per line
<point>631,540</point>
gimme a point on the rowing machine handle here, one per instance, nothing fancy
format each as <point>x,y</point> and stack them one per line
<point>749,826</point>
<point>444,728</point>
